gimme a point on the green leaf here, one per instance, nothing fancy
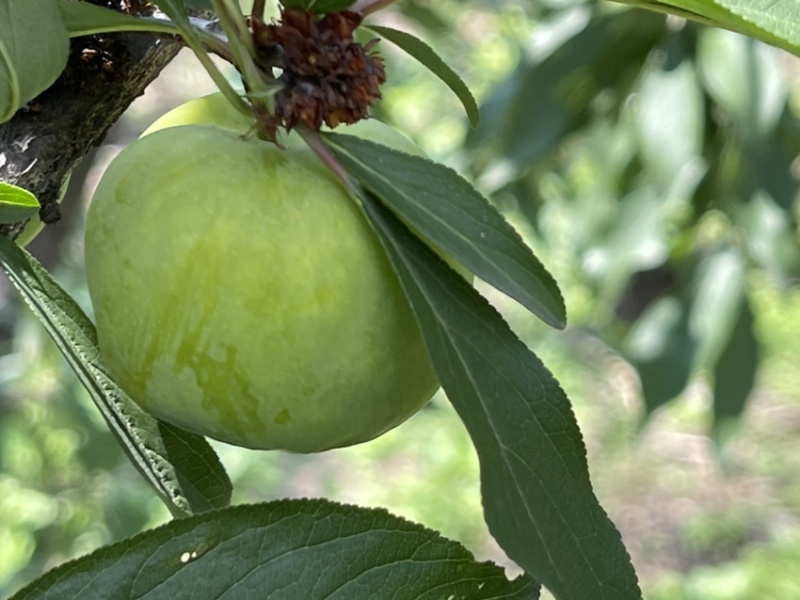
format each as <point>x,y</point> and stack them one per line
<point>426,56</point>
<point>33,51</point>
<point>718,288</point>
<point>175,10</point>
<point>447,210</point>
<point>285,550</point>
<point>199,40</point>
<point>771,235</point>
<point>81,18</point>
<point>744,78</point>
<point>662,350</point>
<point>537,496</point>
<point>774,22</point>
<point>780,19</point>
<point>16,204</point>
<point>734,375</point>
<point>204,4</point>
<point>181,466</point>
<point>670,139</point>
<point>318,6</point>
<point>550,96</point>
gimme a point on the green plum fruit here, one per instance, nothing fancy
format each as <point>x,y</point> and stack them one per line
<point>240,293</point>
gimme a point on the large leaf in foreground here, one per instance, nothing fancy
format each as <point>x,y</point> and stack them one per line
<point>181,466</point>
<point>537,496</point>
<point>286,550</point>
<point>446,209</point>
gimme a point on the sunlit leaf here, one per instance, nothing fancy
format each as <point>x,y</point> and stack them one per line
<point>774,22</point>
<point>16,204</point>
<point>743,78</point>
<point>669,138</point>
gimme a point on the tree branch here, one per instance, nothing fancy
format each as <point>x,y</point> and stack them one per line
<point>45,140</point>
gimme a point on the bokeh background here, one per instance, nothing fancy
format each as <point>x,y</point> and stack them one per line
<point>652,164</point>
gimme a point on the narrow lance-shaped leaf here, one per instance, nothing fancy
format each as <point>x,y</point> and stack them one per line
<point>447,210</point>
<point>181,466</point>
<point>426,56</point>
<point>537,496</point>
<point>286,550</point>
<point>734,375</point>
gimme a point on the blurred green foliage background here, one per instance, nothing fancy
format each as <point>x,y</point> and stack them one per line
<point>652,164</point>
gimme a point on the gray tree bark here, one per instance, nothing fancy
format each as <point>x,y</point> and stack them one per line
<point>42,143</point>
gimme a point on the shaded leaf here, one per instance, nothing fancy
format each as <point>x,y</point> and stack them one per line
<point>551,97</point>
<point>735,374</point>
<point>181,466</point>
<point>662,350</point>
<point>426,56</point>
<point>454,216</point>
<point>538,500</point>
<point>33,51</point>
<point>16,204</point>
<point>285,550</point>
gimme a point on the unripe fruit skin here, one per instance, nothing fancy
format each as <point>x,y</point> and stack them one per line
<point>240,293</point>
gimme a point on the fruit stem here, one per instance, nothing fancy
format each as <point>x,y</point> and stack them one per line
<point>259,86</point>
<point>258,9</point>
<point>193,39</point>
<point>315,142</point>
<point>366,7</point>
<point>219,79</point>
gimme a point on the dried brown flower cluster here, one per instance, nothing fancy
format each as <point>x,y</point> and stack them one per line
<point>327,77</point>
